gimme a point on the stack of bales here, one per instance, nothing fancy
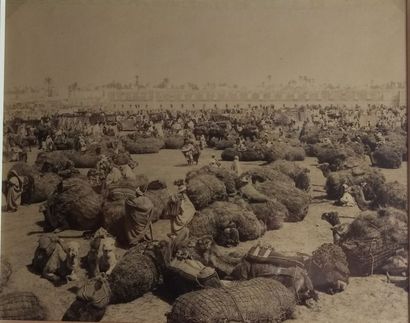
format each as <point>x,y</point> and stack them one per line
<point>41,185</point>
<point>113,210</point>
<point>356,176</point>
<point>141,145</point>
<point>281,188</point>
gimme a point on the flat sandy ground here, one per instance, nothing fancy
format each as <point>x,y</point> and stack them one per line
<point>368,299</point>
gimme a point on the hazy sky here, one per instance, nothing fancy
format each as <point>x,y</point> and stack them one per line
<point>238,41</point>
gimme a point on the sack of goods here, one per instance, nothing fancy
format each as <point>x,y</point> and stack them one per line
<point>256,300</point>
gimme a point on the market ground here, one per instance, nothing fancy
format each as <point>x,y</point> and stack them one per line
<point>368,299</point>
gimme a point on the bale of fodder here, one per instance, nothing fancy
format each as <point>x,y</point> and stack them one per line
<point>141,145</point>
<point>398,139</point>
<point>296,201</point>
<point>21,306</point>
<point>246,155</point>
<point>113,211</point>
<point>369,140</point>
<point>388,224</point>
<point>81,159</point>
<point>174,142</point>
<point>252,155</point>
<point>387,157</point>
<point>52,161</point>
<point>372,238</point>
<point>334,182</point>
<point>275,152</point>
<point>295,153</point>
<point>224,143</point>
<point>228,177</point>
<point>294,171</point>
<point>202,190</point>
<point>255,300</point>
<point>160,199</point>
<point>77,202</point>
<point>133,276</point>
<point>113,214</point>
<point>392,194</point>
<point>328,267</point>
<point>310,135</point>
<point>41,185</point>
<point>5,272</point>
<point>263,174</point>
<point>126,187</point>
<point>272,213</point>
<point>44,186</point>
<point>122,158</point>
<point>334,156</point>
<point>24,169</point>
<point>210,221</point>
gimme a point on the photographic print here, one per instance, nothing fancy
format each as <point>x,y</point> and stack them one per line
<point>205,161</point>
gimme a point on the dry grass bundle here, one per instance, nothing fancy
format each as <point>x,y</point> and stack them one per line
<point>295,153</point>
<point>174,142</point>
<point>328,266</point>
<point>126,187</point>
<point>247,155</point>
<point>262,174</point>
<point>330,154</point>
<point>210,220</point>
<point>21,306</point>
<point>272,213</point>
<point>160,199</point>
<point>255,300</point>
<point>24,169</point>
<point>392,194</point>
<point>85,159</point>
<point>133,276</point>
<point>294,171</point>
<point>78,203</point>
<point>52,161</point>
<point>296,201</point>
<point>122,158</point>
<point>398,139</point>
<point>224,143</point>
<point>275,152</point>
<point>44,186</point>
<point>389,224</point>
<point>372,177</point>
<point>141,145</point>
<point>113,214</point>
<point>387,157</point>
<point>310,135</point>
<point>202,190</point>
<point>228,177</point>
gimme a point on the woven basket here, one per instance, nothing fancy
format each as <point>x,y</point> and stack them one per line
<point>365,257</point>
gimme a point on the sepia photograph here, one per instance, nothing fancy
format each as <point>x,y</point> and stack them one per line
<point>204,161</point>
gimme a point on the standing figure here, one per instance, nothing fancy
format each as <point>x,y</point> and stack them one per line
<point>184,213</point>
